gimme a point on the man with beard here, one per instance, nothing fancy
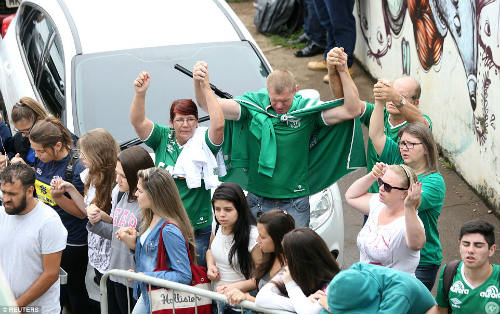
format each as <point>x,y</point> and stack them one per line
<point>32,238</point>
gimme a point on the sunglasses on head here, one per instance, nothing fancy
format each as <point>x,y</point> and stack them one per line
<point>387,187</point>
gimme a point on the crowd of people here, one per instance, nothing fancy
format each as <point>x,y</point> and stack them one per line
<point>70,202</point>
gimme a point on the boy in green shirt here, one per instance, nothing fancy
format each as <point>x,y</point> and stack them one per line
<point>475,286</point>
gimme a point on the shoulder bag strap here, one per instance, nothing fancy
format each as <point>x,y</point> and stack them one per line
<point>450,271</point>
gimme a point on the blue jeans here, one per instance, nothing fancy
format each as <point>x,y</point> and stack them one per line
<point>312,28</point>
<point>202,239</point>
<point>336,17</point>
<point>297,207</point>
<point>427,274</point>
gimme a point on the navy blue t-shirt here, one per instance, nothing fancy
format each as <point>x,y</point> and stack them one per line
<point>45,172</point>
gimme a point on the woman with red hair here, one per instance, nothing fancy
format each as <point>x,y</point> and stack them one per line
<point>176,146</point>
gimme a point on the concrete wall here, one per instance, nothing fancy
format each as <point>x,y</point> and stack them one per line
<point>452,48</point>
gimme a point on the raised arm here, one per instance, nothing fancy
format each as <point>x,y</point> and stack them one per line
<point>357,196</point>
<point>389,94</point>
<point>415,232</point>
<point>376,129</point>
<point>202,84</point>
<point>230,108</point>
<point>141,124</point>
<point>341,84</point>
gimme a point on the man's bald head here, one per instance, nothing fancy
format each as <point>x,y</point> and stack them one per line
<point>408,87</point>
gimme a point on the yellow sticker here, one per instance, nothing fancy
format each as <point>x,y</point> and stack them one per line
<point>43,193</point>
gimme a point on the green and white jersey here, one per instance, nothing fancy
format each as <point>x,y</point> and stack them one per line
<point>390,131</point>
<point>464,298</point>
<point>197,202</point>
<point>290,177</point>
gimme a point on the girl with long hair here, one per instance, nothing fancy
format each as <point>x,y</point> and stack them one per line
<point>393,234</point>
<point>52,142</point>
<point>233,251</point>
<point>25,113</point>
<point>124,224</point>
<point>98,151</point>
<point>160,202</point>
<point>417,149</point>
<point>272,227</point>
<point>310,267</point>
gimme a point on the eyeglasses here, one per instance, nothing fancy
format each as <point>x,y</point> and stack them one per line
<point>26,131</point>
<point>387,187</point>
<point>182,120</point>
<point>408,145</point>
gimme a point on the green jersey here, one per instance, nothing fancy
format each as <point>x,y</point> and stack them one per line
<point>290,176</point>
<point>390,130</point>
<point>434,190</point>
<point>197,202</point>
<point>464,298</point>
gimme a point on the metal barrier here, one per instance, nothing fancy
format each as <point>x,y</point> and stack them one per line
<point>175,286</point>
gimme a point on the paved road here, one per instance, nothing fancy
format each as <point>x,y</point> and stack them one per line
<point>461,203</point>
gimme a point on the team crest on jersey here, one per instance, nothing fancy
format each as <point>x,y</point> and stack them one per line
<point>170,148</point>
<point>455,303</point>
<point>491,307</point>
<point>491,293</point>
<point>39,171</point>
<point>294,124</point>
<point>458,287</point>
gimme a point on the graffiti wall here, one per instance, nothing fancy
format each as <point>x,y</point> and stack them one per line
<point>453,48</point>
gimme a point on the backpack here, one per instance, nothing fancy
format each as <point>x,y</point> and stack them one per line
<point>278,16</point>
<point>68,172</point>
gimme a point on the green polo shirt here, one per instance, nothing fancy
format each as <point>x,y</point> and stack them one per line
<point>434,190</point>
<point>290,176</point>
<point>463,298</point>
<point>389,130</point>
<point>197,202</point>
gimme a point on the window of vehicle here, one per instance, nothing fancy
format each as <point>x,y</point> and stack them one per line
<point>42,49</point>
<point>104,91</point>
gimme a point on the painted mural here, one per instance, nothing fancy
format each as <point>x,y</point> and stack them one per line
<point>455,47</point>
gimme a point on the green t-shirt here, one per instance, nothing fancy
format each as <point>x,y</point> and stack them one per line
<point>465,299</point>
<point>290,177</point>
<point>434,190</point>
<point>389,130</point>
<point>196,201</point>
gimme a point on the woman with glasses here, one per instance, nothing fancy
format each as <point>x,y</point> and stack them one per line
<point>184,135</point>
<point>25,113</point>
<point>417,149</point>
<point>393,235</point>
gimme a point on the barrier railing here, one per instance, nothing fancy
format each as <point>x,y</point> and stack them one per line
<point>175,286</point>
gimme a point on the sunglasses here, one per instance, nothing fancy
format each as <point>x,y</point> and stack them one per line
<point>387,187</point>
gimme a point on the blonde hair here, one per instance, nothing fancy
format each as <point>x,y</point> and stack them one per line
<point>281,80</point>
<point>166,203</point>
<point>406,174</point>
<point>101,151</point>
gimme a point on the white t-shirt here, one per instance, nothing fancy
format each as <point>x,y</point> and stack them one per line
<point>23,241</point>
<point>221,245</point>
<point>99,247</point>
<point>386,244</point>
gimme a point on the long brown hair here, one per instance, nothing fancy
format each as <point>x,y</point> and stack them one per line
<point>277,223</point>
<point>310,262</point>
<point>49,131</point>
<point>424,134</point>
<point>28,109</point>
<point>166,203</point>
<point>132,160</point>
<point>101,150</point>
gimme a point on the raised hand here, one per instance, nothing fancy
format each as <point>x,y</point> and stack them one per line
<point>141,83</point>
<point>336,59</point>
<point>200,73</point>
<point>384,91</point>
<point>379,169</point>
<point>412,200</point>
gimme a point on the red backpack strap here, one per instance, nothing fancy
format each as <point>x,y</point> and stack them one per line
<point>449,273</point>
<point>161,260</point>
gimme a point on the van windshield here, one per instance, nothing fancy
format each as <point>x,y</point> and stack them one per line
<point>103,89</point>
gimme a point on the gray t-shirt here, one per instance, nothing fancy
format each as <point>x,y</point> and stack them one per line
<point>23,241</point>
<point>124,214</point>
